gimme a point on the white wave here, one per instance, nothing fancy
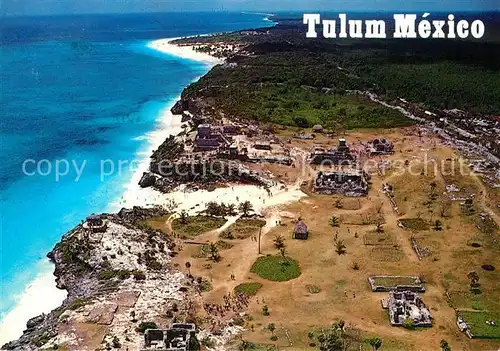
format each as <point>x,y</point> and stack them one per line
<point>40,296</point>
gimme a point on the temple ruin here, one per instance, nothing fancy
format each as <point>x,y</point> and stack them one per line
<point>96,224</point>
<point>378,147</point>
<point>346,182</point>
<point>407,307</point>
<point>341,155</point>
<point>176,338</point>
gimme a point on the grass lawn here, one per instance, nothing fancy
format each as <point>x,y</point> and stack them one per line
<point>477,324</point>
<point>248,288</point>
<point>414,223</point>
<point>159,223</point>
<point>276,269</point>
<point>467,300</point>
<point>196,225</point>
<point>243,228</point>
<point>391,282</point>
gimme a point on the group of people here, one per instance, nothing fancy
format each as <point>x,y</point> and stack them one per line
<point>232,303</point>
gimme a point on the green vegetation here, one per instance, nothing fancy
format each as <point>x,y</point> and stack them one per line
<point>275,268</point>
<point>294,81</point>
<point>196,225</point>
<point>146,325</point>
<point>77,303</point>
<point>477,322</point>
<point>469,300</point>
<point>248,288</point>
<point>121,274</point>
<point>458,86</point>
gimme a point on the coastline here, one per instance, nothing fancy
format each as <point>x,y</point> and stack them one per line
<point>43,285</point>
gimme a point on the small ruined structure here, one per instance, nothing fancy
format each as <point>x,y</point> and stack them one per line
<point>348,183</point>
<point>341,155</point>
<point>176,338</point>
<point>262,145</point>
<point>395,283</point>
<point>407,305</point>
<point>304,136</point>
<point>96,224</point>
<point>211,138</point>
<point>380,147</point>
<point>300,231</point>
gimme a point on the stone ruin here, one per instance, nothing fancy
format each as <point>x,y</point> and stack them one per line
<point>341,155</point>
<point>176,338</point>
<point>415,286</point>
<point>348,183</point>
<point>211,138</point>
<point>96,224</point>
<point>380,147</point>
<point>407,305</point>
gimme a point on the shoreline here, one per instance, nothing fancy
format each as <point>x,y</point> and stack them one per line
<point>27,305</point>
<point>44,286</point>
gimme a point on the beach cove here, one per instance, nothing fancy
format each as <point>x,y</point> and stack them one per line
<point>29,279</point>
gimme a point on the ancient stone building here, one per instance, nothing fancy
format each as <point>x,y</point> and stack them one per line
<point>407,307</point>
<point>348,183</point>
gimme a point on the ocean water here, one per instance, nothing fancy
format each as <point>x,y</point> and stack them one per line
<point>77,93</point>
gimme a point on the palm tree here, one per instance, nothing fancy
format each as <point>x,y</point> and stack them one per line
<point>340,247</point>
<point>438,225</point>
<point>231,210</point>
<point>444,345</point>
<point>338,203</point>
<point>473,278</point>
<point>212,209</point>
<point>279,242</point>
<point>334,222</point>
<point>183,217</point>
<point>188,266</point>
<point>271,327</point>
<point>214,252</point>
<point>245,208</point>
<point>375,343</point>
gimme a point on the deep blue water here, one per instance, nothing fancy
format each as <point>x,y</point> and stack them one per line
<point>83,89</point>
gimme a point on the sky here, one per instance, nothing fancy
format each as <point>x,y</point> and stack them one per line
<point>48,7</point>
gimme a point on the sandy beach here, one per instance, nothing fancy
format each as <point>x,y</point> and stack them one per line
<point>185,52</point>
<point>43,287</point>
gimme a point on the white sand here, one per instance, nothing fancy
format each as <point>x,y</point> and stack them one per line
<point>185,51</point>
<point>40,296</point>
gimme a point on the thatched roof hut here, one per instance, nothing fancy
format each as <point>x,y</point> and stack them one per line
<point>317,128</point>
<point>300,231</point>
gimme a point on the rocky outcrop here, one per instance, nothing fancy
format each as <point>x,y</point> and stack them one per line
<point>148,179</point>
<point>108,276</point>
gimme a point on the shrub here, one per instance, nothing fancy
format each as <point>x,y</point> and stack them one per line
<point>265,310</point>
<point>116,343</point>
<point>146,325</point>
<point>409,324</point>
<point>107,274</point>
<point>139,275</point>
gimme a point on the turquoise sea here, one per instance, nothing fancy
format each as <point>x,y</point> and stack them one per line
<point>81,89</point>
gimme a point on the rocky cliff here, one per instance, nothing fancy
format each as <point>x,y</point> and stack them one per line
<point>116,280</point>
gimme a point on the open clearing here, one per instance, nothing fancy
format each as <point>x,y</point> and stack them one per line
<point>332,286</point>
